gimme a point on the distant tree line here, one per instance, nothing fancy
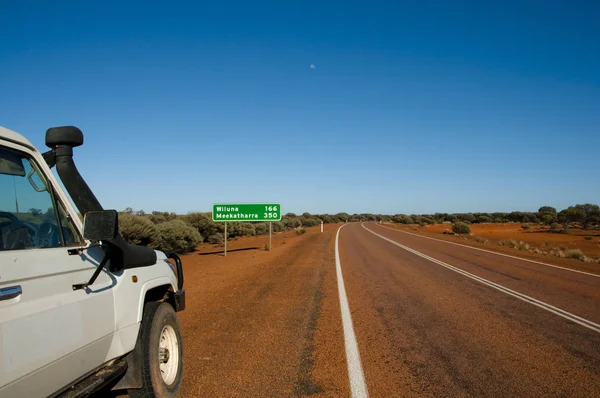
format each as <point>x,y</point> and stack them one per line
<point>182,233</point>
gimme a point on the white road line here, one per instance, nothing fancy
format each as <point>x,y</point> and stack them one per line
<point>499,254</point>
<point>567,315</point>
<point>358,387</point>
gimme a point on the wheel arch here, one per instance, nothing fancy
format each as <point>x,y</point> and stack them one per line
<point>159,289</point>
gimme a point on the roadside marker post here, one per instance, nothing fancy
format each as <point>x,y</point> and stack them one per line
<point>321,226</point>
<point>245,212</point>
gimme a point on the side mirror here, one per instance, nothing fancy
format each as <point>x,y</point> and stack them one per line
<point>100,225</point>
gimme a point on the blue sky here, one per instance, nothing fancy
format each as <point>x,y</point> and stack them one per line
<point>412,107</point>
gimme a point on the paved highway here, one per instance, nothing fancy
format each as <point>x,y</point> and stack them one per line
<point>367,310</point>
<point>433,318</point>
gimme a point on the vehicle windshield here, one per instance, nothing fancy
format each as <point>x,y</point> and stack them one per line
<point>28,216</point>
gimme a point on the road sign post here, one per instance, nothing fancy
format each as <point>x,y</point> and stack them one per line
<point>244,212</point>
<point>321,226</point>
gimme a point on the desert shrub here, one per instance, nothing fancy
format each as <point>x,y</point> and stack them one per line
<point>178,236</point>
<point>215,238</point>
<point>291,222</point>
<point>278,226</point>
<point>574,253</point>
<point>512,243</point>
<point>501,243</point>
<point>523,246</point>
<point>300,231</point>
<point>481,240</point>
<point>159,217</point>
<point>327,219</point>
<point>559,253</point>
<point>246,229</point>
<point>139,230</point>
<point>587,259</point>
<point>483,219</point>
<point>588,238</point>
<point>203,223</point>
<point>536,250</point>
<point>461,228</point>
<point>525,227</point>
<point>555,227</point>
<point>261,229</point>
<point>310,222</point>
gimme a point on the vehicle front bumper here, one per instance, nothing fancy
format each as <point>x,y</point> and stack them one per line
<point>179,300</point>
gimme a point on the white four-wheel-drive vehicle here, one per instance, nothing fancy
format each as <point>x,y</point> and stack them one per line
<point>81,310</point>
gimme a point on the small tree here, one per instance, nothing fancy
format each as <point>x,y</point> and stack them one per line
<point>571,214</point>
<point>592,214</point>
<point>460,227</point>
<point>548,218</point>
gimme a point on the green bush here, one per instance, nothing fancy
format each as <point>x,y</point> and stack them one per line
<point>310,222</point>
<point>290,222</point>
<point>300,231</point>
<point>246,229</point>
<point>525,227</point>
<point>178,236</point>
<point>555,227</point>
<point>203,223</point>
<point>139,230</point>
<point>278,226</point>
<point>461,228</point>
<point>588,238</point>
<point>216,238</point>
<point>261,229</point>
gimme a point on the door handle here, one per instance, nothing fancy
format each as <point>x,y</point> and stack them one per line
<point>7,293</point>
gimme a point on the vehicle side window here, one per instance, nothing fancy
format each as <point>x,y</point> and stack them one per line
<point>28,216</point>
<point>69,232</point>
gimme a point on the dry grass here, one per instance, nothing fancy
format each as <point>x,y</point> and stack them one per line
<point>575,253</point>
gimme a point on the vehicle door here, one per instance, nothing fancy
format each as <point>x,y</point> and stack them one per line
<point>50,334</point>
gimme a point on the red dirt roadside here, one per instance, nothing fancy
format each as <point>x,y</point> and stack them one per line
<point>256,322</point>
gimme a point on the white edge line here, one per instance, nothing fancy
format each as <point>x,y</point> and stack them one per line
<point>565,314</point>
<point>492,252</point>
<point>358,387</point>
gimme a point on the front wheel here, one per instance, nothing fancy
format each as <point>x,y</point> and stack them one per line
<point>162,352</point>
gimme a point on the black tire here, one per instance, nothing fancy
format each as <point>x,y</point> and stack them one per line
<point>156,317</point>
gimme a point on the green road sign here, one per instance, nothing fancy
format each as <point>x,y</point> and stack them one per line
<point>246,212</point>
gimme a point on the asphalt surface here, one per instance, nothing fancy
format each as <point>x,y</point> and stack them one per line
<point>428,318</point>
